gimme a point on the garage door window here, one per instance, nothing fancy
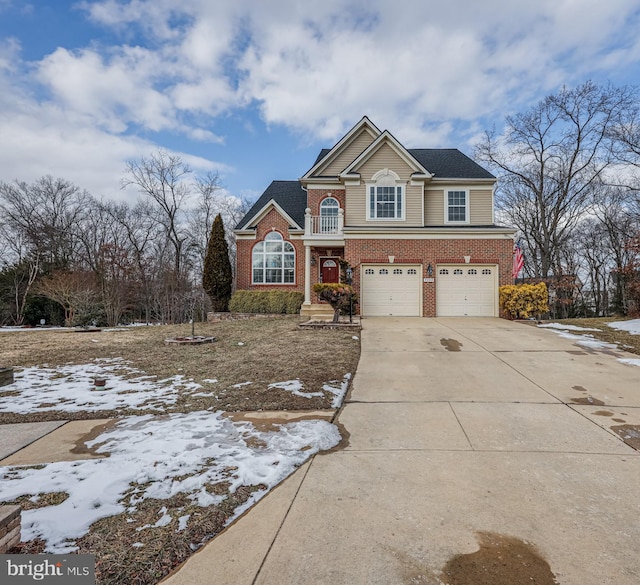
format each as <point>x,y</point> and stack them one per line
<point>472,271</point>
<point>458,271</point>
<point>444,271</point>
<point>486,271</point>
<point>384,271</point>
<point>397,270</point>
<point>369,271</point>
<point>412,271</point>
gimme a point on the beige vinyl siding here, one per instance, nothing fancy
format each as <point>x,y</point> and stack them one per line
<point>480,200</point>
<point>481,206</point>
<point>434,207</point>
<point>358,145</point>
<point>357,197</point>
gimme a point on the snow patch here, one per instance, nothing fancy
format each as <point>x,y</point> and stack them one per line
<point>339,392</point>
<point>567,327</point>
<point>632,326</point>
<point>71,388</point>
<point>587,341</point>
<point>630,361</point>
<point>295,387</point>
<point>161,456</point>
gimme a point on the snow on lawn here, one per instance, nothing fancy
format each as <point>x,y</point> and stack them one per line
<point>71,388</point>
<point>630,361</point>
<point>586,340</point>
<point>163,456</point>
<point>339,392</point>
<point>567,327</point>
<point>296,386</point>
<point>632,326</point>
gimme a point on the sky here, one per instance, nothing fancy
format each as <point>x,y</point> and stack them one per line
<point>254,89</point>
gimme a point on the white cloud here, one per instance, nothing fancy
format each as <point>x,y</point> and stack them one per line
<point>434,74</point>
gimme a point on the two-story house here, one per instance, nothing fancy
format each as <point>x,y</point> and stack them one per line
<point>415,225</point>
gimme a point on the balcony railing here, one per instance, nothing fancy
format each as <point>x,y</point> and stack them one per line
<point>324,225</point>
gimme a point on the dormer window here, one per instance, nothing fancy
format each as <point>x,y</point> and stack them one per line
<point>385,196</point>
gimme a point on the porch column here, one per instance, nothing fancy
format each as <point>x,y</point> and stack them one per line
<point>307,274</point>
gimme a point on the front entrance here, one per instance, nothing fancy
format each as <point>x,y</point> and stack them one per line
<point>329,270</point>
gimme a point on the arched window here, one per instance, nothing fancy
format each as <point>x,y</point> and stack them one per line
<point>274,261</point>
<point>329,215</point>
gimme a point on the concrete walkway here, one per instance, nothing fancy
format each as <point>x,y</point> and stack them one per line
<point>456,427</point>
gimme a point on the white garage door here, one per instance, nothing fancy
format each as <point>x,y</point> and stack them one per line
<point>391,290</point>
<point>467,290</point>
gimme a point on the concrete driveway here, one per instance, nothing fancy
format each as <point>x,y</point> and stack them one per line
<point>461,432</point>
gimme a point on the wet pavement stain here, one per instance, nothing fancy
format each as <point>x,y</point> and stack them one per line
<point>501,560</point>
<point>579,388</point>
<point>630,434</point>
<point>588,401</point>
<point>450,344</point>
<point>620,420</point>
<point>81,447</point>
<point>603,413</point>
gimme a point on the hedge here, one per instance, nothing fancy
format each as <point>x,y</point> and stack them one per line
<point>521,301</point>
<point>266,301</point>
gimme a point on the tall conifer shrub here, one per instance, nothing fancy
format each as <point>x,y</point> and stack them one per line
<point>217,276</point>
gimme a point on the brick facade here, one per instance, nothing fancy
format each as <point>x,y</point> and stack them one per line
<point>315,197</point>
<point>434,252</point>
<point>272,221</point>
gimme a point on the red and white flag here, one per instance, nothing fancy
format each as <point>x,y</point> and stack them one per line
<point>518,260</point>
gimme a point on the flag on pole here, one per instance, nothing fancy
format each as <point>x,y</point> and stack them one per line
<point>518,259</point>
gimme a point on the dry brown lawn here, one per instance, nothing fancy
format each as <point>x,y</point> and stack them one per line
<point>260,351</point>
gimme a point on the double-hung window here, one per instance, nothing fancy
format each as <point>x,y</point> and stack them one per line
<point>274,261</point>
<point>457,206</point>
<point>385,202</point>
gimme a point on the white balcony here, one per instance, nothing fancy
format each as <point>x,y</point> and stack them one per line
<point>324,227</point>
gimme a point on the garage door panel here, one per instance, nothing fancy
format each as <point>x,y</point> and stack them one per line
<point>387,290</point>
<point>463,290</point>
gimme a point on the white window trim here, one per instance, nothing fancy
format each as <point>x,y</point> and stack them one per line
<point>295,260</point>
<point>467,219</point>
<point>396,182</point>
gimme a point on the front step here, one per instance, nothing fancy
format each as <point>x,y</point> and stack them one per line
<point>317,312</point>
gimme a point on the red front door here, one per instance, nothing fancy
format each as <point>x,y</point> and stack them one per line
<point>329,271</point>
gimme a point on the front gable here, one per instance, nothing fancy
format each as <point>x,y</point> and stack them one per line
<point>266,211</point>
<point>357,140</point>
<point>385,152</point>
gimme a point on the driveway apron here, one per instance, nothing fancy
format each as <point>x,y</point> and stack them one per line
<point>460,431</point>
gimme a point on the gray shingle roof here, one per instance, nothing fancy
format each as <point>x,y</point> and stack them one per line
<point>444,163</point>
<point>449,163</point>
<point>288,194</point>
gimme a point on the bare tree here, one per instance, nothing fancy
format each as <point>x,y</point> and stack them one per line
<point>76,292</point>
<point>162,178</point>
<point>551,160</point>
<point>45,215</point>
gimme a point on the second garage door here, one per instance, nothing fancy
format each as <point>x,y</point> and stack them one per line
<point>391,290</point>
<point>467,290</point>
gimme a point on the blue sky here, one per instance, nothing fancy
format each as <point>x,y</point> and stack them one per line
<point>254,89</point>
